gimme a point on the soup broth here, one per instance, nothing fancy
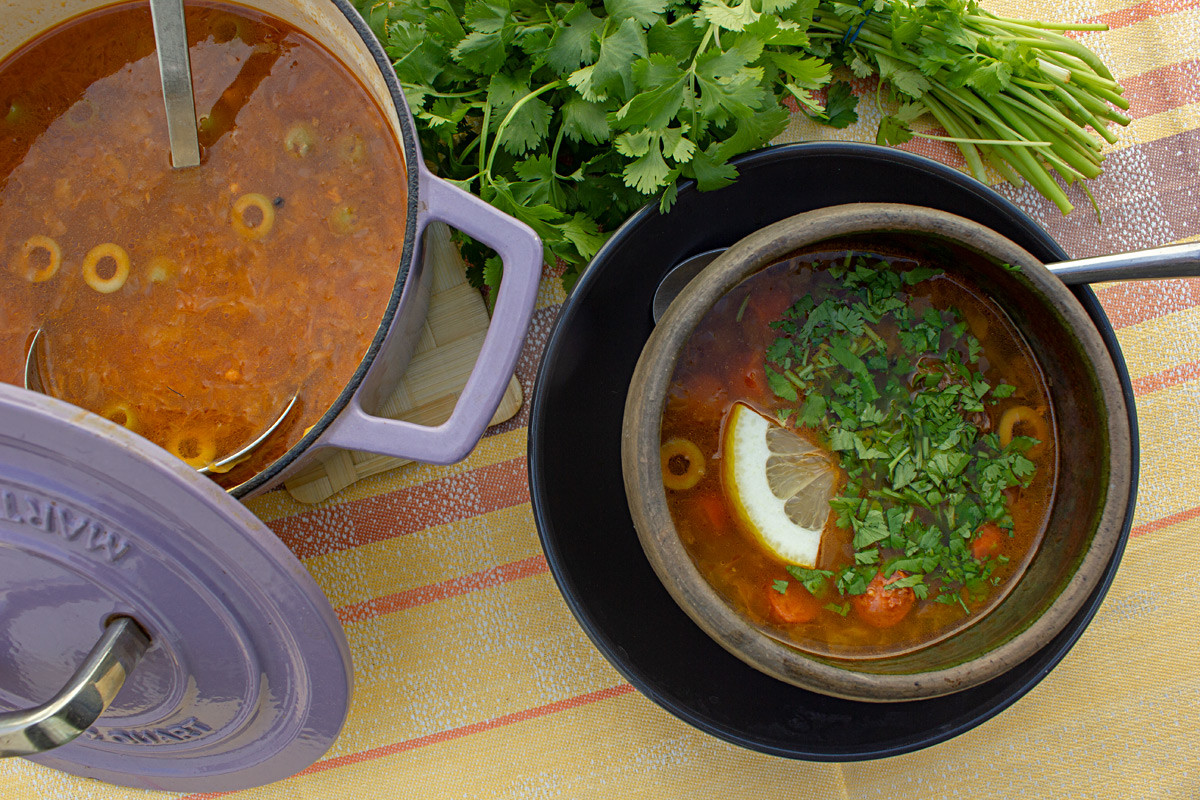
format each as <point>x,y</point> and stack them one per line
<point>906,405</point>
<point>190,305</point>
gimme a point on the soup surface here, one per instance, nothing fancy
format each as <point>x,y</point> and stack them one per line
<point>191,305</point>
<point>859,452</point>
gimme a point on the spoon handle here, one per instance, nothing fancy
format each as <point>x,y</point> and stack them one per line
<point>170,40</point>
<point>1173,261</point>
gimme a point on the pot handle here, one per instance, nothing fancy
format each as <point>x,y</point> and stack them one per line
<point>521,251</point>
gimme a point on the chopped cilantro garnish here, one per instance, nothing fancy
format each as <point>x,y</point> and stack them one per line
<point>903,418</point>
<point>811,579</point>
<point>839,608</point>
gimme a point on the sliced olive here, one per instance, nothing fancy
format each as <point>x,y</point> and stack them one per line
<point>300,140</point>
<point>351,149</point>
<point>344,219</point>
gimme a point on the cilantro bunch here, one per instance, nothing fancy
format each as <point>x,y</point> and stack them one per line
<point>569,116</point>
<point>572,115</point>
<point>897,393</point>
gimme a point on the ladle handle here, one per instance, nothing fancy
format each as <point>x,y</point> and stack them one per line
<point>85,697</point>
<point>175,70</point>
<point>1173,261</point>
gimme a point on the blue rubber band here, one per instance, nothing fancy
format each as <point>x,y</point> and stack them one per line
<point>848,37</point>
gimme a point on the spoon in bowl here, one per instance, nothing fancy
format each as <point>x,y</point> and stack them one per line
<point>175,71</point>
<point>33,382</point>
<point>1172,261</point>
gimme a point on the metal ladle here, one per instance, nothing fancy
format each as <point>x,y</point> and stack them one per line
<point>33,382</point>
<point>1172,261</point>
<point>175,70</point>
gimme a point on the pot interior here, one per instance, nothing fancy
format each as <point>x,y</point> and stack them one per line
<point>323,21</point>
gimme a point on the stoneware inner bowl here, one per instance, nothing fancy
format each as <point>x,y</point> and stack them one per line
<point>1094,455</point>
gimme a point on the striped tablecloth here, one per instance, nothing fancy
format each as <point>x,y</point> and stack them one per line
<point>473,680</point>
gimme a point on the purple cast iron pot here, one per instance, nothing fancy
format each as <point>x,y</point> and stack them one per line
<point>349,423</point>
<point>235,670</point>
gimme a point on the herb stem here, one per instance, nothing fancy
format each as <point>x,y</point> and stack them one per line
<point>979,142</point>
<point>558,138</point>
<point>986,16</point>
<point>424,90</point>
<point>957,128</point>
<point>1026,126</point>
<point>1061,43</point>
<point>1038,104</point>
<point>484,171</point>
<point>709,32</point>
<point>1093,104</point>
<point>1022,161</point>
<point>508,118</point>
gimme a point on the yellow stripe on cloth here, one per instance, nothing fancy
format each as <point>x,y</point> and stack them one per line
<point>1156,345</point>
<point>1157,126</point>
<point>429,558</point>
<point>1168,483</point>
<point>1157,41</point>
<point>1052,11</point>
<point>466,659</point>
<point>619,746</point>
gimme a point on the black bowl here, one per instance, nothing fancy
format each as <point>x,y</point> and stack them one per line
<point>575,461</point>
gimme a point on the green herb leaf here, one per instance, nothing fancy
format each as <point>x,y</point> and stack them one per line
<point>646,12</point>
<point>527,125</point>
<point>663,82</point>
<point>840,105</point>
<point>814,580</point>
<point>841,609</point>
<point>585,121</point>
<point>574,42</point>
<point>715,72</point>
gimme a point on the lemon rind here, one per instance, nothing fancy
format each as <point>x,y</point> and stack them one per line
<point>766,520</point>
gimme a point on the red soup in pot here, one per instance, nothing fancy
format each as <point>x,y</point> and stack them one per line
<point>190,305</point>
<point>859,452</point>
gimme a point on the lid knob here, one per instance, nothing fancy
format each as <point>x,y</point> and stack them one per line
<point>85,697</point>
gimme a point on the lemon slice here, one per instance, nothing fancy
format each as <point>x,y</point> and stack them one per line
<point>778,484</point>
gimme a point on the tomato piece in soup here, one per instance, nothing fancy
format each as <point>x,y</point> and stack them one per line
<point>795,606</point>
<point>881,607</point>
<point>989,538</point>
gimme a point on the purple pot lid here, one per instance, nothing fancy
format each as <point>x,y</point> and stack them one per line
<point>248,677</point>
